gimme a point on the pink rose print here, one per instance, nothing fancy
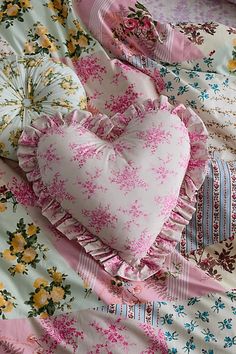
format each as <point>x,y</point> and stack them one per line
<point>89,68</point>
<point>140,246</point>
<point>155,136</point>
<point>59,332</point>
<point>127,179</point>
<point>131,23</point>
<point>162,173</point>
<point>83,152</point>
<point>135,212</point>
<point>23,192</point>
<point>167,204</point>
<point>121,103</point>
<point>89,187</point>
<point>58,189</point>
<point>100,217</point>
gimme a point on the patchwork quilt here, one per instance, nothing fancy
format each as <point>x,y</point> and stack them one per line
<point>107,56</point>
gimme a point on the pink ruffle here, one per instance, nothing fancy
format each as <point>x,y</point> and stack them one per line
<point>109,129</point>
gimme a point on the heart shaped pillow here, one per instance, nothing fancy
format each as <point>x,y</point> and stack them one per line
<point>123,187</point>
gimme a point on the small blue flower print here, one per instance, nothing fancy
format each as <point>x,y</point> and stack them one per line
<point>189,346</point>
<point>203,95</point>
<point>208,336</point>
<point>229,342</point>
<point>171,336</point>
<point>190,326</point>
<point>169,86</point>
<point>226,324</point>
<point>209,76</point>
<point>219,305</point>
<point>204,316</point>
<point>215,88</point>
<point>180,310</point>
<point>167,319</point>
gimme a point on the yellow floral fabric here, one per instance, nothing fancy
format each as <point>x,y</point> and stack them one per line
<point>31,86</point>
<point>35,280</point>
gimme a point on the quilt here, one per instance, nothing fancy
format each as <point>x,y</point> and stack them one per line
<point>54,298</point>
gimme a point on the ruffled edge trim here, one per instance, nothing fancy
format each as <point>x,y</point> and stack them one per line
<point>109,129</point>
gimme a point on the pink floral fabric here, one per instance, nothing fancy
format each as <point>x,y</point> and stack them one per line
<point>117,156</point>
<point>127,28</point>
<point>87,332</point>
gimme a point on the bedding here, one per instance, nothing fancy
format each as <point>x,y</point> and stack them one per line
<point>54,297</point>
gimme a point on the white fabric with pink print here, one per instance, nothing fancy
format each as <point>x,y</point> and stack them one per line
<point>125,186</point>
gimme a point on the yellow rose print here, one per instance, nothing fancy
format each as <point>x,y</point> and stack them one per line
<point>232,65</point>
<point>2,301</point>
<point>19,268</point>
<point>57,294</point>
<point>29,48</point>
<point>41,30</point>
<point>57,277</point>
<point>8,256</point>
<point>1,286</point>
<point>47,297</point>
<point>44,315</point>
<point>6,302</point>
<point>82,41</point>
<point>57,4</point>
<point>26,4</point>
<point>12,10</point>
<point>29,255</point>
<point>3,207</point>
<point>40,282</point>
<point>8,307</point>
<point>32,230</point>
<point>71,46</point>
<point>40,298</point>
<point>18,243</point>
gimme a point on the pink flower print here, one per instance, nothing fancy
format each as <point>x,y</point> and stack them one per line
<point>121,146</point>
<point>23,192</point>
<point>121,103</point>
<point>167,203</point>
<point>89,68</point>
<point>162,173</point>
<point>157,339</point>
<point>196,164</point>
<point>111,336</point>
<point>130,23</point>
<point>146,23</point>
<point>90,187</point>
<point>183,162</point>
<point>135,212</point>
<point>154,136</point>
<point>57,189</point>
<point>60,332</point>
<point>118,76</point>
<point>83,152</point>
<point>139,247</point>
<point>49,156</point>
<point>127,179</point>
<point>100,218</point>
<point>197,136</point>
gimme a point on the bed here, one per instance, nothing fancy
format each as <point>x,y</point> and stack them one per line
<point>55,297</point>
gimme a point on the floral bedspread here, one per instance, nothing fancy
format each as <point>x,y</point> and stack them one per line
<point>53,297</point>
